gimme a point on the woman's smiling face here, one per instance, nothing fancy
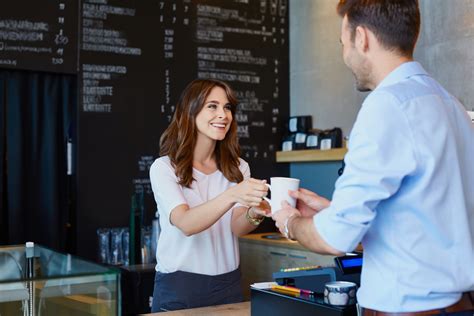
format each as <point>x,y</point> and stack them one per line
<point>214,119</point>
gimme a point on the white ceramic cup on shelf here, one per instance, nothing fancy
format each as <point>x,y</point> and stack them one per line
<point>279,187</point>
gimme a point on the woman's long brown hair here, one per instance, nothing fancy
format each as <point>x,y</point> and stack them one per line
<point>179,139</point>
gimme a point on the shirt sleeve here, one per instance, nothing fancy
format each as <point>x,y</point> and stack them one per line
<point>245,169</point>
<point>381,154</point>
<point>166,189</point>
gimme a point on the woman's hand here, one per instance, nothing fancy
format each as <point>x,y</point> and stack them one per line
<point>263,209</point>
<point>249,192</point>
<point>308,202</point>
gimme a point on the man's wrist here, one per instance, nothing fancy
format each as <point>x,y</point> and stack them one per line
<point>287,227</point>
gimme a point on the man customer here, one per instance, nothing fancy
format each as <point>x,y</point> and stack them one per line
<point>407,191</point>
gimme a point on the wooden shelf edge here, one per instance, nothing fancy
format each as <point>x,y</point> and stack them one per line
<point>335,154</point>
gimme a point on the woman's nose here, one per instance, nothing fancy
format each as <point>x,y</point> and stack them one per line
<point>221,113</point>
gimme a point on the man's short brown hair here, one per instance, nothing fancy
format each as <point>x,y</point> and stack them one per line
<point>395,23</point>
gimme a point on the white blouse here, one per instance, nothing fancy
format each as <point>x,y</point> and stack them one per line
<point>213,251</point>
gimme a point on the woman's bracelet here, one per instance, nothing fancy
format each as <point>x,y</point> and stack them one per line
<point>253,220</point>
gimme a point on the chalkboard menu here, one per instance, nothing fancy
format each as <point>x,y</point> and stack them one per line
<point>133,59</point>
<point>136,58</point>
<point>39,35</point>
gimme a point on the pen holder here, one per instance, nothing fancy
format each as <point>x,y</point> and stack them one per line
<point>340,293</point>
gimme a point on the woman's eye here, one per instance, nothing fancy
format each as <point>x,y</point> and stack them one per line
<point>211,106</point>
<point>228,107</point>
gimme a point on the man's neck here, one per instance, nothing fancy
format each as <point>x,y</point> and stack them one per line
<point>387,63</point>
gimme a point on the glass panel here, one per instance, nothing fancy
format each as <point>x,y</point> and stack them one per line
<point>53,283</point>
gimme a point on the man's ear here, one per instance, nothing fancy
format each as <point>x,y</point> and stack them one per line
<point>361,40</point>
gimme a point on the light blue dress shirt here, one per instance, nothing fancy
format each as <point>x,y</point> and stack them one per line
<point>407,193</point>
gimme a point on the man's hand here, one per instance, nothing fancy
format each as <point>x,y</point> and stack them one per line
<point>309,203</point>
<point>281,216</point>
<point>302,229</point>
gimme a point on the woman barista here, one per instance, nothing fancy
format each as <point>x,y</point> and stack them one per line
<point>206,199</point>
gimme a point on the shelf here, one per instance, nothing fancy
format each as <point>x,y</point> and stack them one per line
<point>335,154</point>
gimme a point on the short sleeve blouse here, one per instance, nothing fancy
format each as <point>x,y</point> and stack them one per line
<point>212,251</point>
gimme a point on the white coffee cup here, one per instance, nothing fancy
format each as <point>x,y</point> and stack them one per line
<point>279,187</point>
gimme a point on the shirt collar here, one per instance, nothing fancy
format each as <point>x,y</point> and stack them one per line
<point>403,71</point>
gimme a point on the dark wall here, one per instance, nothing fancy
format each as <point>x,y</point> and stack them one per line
<point>134,58</point>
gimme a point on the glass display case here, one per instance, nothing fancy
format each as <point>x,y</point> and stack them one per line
<point>35,280</point>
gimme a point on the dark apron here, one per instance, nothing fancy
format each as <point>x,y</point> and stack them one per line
<point>181,290</point>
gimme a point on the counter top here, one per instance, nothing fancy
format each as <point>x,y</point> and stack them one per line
<point>237,309</point>
<point>276,239</point>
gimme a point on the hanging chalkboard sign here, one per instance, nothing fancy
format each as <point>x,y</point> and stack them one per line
<point>39,35</point>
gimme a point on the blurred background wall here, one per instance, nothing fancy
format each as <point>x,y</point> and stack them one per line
<point>322,86</point>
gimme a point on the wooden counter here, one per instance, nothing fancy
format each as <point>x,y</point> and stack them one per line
<point>237,309</point>
<point>260,239</point>
<point>278,240</point>
<point>260,257</point>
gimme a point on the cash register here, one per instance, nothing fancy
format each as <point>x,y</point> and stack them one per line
<point>312,279</point>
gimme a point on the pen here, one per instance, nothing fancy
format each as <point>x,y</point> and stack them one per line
<point>285,290</point>
<point>307,292</point>
<point>300,268</point>
<point>290,289</point>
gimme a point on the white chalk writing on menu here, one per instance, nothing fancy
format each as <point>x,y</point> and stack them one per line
<point>96,37</point>
<point>238,42</point>
<point>142,184</point>
<point>39,42</point>
<point>93,95</point>
<point>99,37</point>
<point>246,65</point>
